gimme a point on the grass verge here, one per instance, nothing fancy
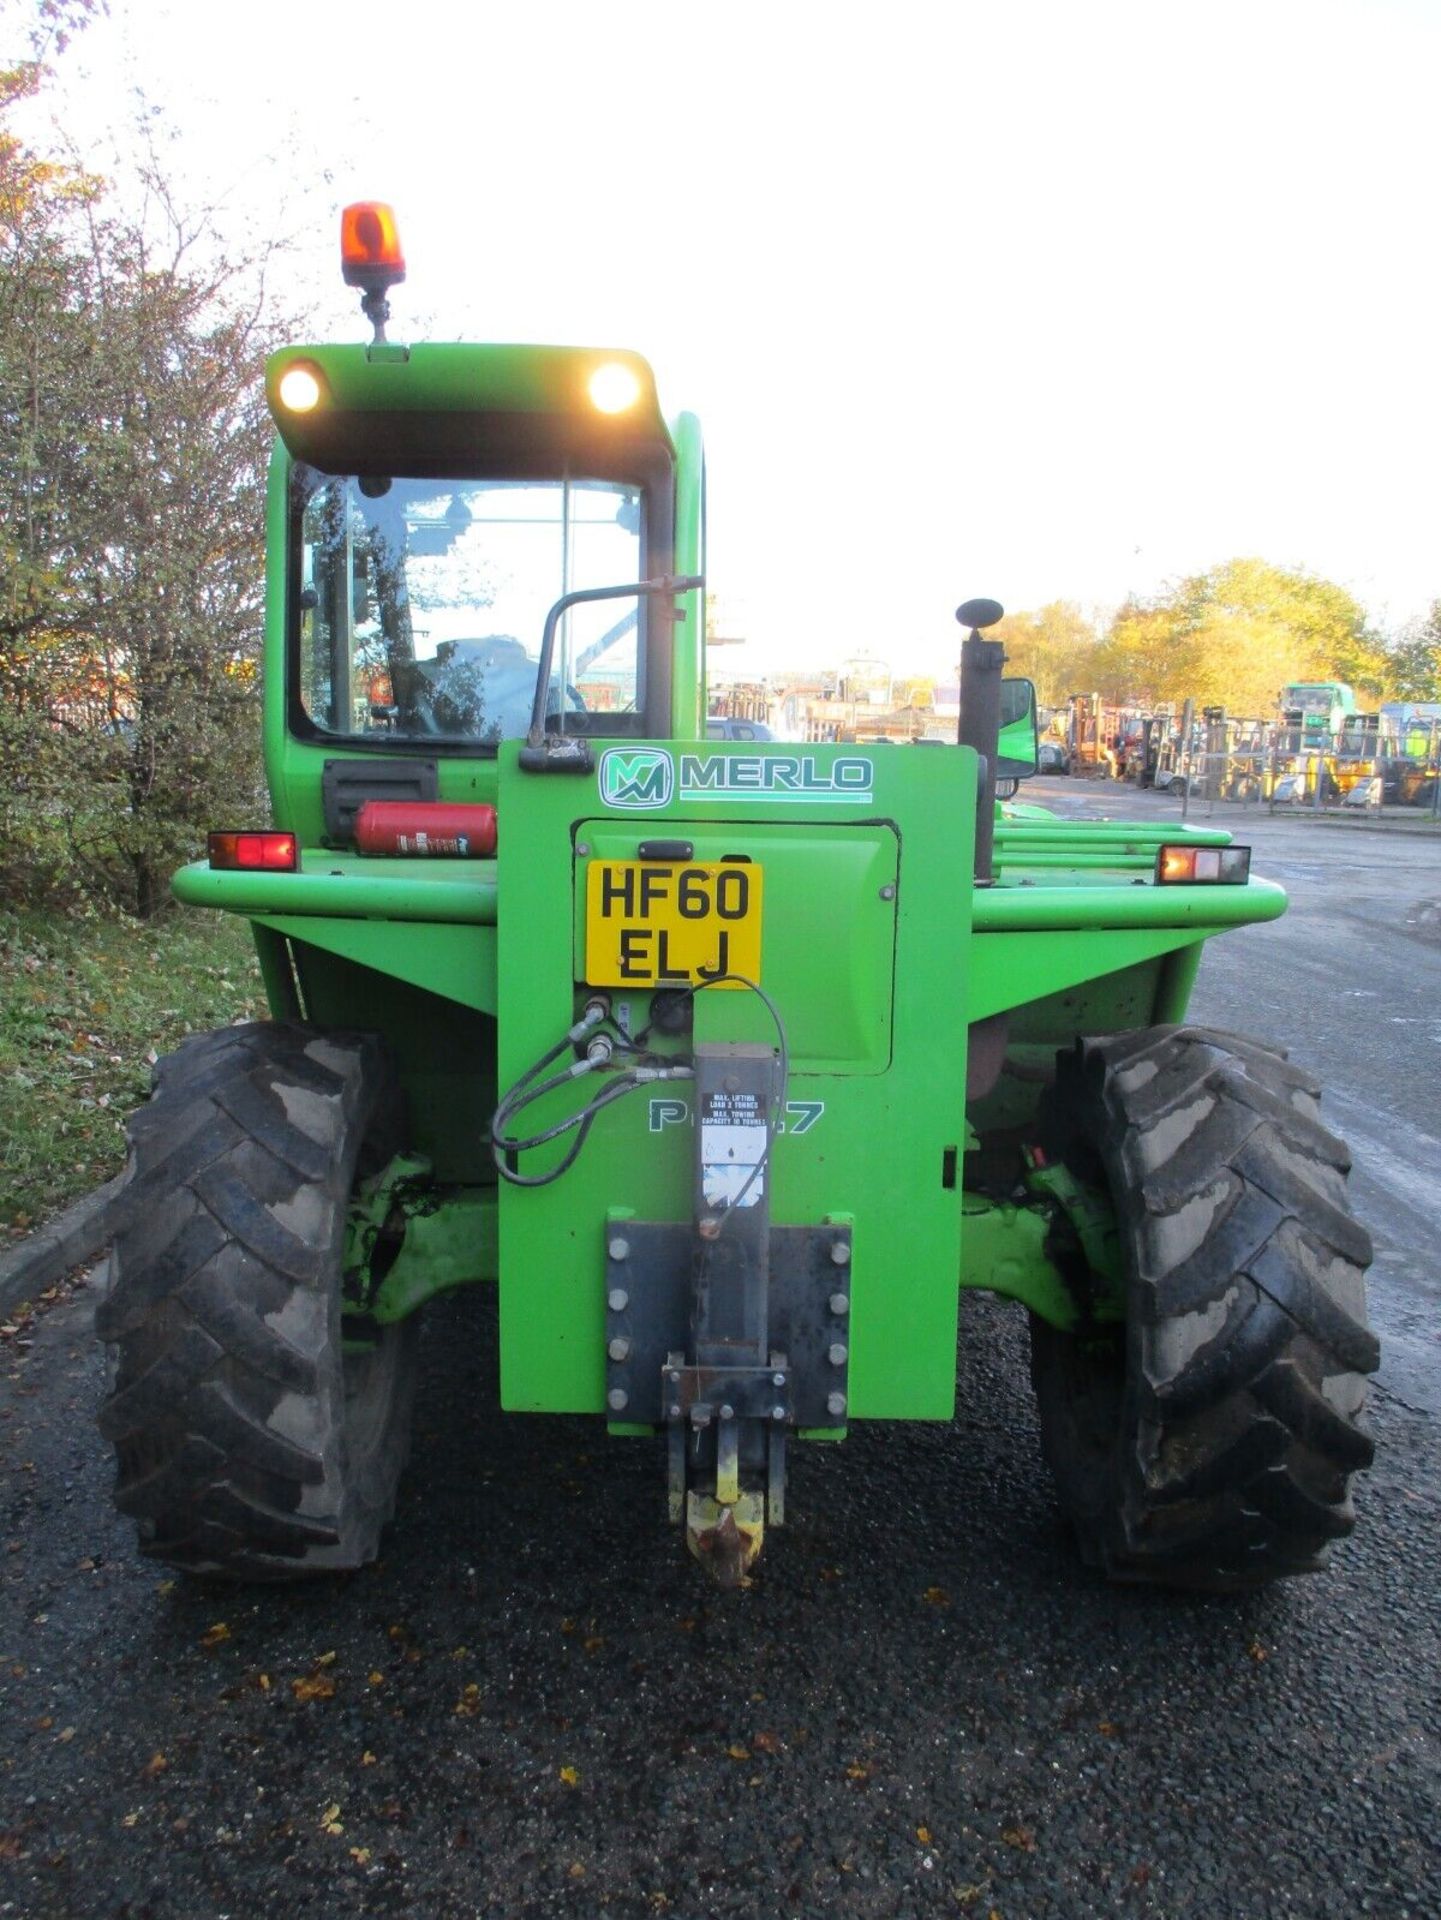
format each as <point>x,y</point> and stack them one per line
<point>89,1001</point>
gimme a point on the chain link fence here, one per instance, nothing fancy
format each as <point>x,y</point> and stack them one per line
<point>1323,773</point>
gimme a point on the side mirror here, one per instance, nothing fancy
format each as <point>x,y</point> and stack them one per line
<point>1018,748</point>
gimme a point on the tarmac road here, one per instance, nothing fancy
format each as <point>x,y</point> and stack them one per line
<point>1350,982</point>
<point>922,1706</point>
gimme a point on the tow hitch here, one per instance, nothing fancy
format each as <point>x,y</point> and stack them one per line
<point>728,1332</point>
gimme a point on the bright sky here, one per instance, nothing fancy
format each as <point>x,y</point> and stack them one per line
<point>1038,299</point>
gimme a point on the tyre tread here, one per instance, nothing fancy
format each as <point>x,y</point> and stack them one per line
<point>228,1408</point>
<point>1244,1304</point>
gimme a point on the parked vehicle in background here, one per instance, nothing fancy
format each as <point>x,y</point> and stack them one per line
<point>1312,708</point>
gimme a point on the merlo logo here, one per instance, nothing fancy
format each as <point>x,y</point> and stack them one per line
<point>635,777</point>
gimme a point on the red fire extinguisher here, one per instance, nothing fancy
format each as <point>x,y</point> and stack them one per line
<point>429,828</point>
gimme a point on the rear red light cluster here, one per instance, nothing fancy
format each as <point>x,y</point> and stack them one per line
<point>1216,866</point>
<point>265,852</point>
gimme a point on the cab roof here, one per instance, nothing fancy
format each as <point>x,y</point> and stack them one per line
<point>449,408</point>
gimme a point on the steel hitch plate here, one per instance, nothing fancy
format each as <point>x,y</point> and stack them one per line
<point>648,1319</point>
<point>724,1330</point>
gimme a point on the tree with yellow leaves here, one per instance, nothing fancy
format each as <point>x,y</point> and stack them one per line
<point>1055,647</point>
<point>1234,636</point>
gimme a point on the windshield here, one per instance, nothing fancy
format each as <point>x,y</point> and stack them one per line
<point>1320,703</point>
<point>421,606</point>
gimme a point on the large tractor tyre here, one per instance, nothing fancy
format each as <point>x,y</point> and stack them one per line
<point>1211,1443</point>
<point>252,1439</point>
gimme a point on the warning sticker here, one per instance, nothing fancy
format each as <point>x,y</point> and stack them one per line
<point>732,1146</point>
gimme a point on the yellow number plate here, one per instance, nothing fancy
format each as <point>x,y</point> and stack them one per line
<point>652,924</point>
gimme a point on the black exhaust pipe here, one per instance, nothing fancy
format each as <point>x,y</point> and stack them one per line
<point>982,662</point>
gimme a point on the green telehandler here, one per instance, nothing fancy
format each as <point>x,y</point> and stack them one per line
<point>730,1064</point>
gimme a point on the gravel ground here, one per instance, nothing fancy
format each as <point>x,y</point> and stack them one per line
<point>923,1704</point>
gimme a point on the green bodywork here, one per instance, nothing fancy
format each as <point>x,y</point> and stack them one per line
<point>891,972</point>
